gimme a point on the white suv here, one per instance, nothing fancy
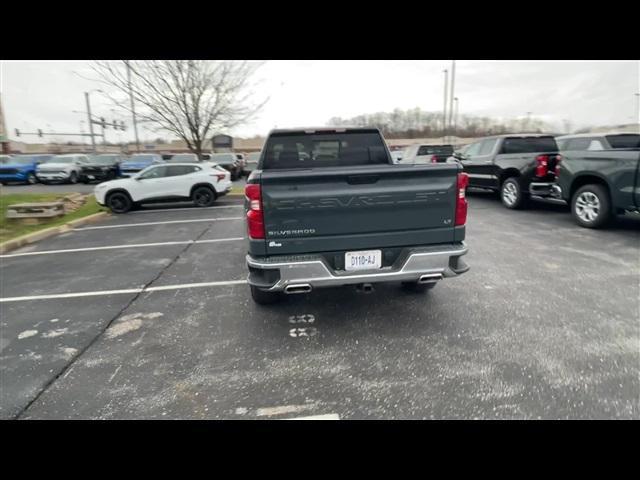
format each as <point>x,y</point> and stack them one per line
<point>201,183</point>
<point>61,168</point>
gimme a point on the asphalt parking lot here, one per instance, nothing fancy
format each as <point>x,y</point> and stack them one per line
<point>160,325</point>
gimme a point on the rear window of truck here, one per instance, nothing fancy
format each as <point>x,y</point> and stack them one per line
<point>324,149</point>
<point>529,145</point>
<point>623,141</point>
<point>435,150</point>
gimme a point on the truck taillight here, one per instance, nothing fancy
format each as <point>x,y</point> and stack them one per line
<point>255,218</point>
<point>434,159</point>
<point>558,160</point>
<point>461,199</point>
<point>542,165</point>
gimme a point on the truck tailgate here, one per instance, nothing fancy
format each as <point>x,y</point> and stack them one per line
<point>331,209</point>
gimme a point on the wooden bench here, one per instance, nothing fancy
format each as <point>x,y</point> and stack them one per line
<point>39,210</point>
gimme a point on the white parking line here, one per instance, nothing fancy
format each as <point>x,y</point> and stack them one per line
<point>328,416</point>
<point>193,209</point>
<point>119,292</point>
<point>157,223</point>
<point>115,247</point>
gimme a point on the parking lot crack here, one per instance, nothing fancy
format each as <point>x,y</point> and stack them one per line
<point>99,335</point>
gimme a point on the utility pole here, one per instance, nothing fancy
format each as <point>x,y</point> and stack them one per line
<point>452,92</point>
<point>93,140</point>
<point>444,111</point>
<point>455,117</point>
<point>133,108</point>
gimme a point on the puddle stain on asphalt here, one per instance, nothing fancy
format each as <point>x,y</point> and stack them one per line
<point>130,323</point>
<point>55,333</point>
<point>27,334</point>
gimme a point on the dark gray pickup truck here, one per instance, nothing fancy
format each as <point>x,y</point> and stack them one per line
<point>328,208</point>
<point>515,165</point>
<point>598,176</point>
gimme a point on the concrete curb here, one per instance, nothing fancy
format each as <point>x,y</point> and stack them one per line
<point>34,237</point>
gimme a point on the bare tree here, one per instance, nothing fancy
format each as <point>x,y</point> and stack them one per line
<point>190,99</point>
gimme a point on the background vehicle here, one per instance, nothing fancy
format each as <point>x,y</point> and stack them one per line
<point>242,164</point>
<point>427,154</point>
<point>517,166</point>
<point>229,162</point>
<point>397,155</point>
<point>343,214</point>
<point>184,158</point>
<point>252,162</point>
<point>61,168</point>
<point>21,168</point>
<point>595,142</point>
<point>100,167</point>
<point>201,183</point>
<point>167,156</point>
<point>139,162</point>
<point>599,184</point>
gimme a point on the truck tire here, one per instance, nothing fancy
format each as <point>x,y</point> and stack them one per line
<point>511,194</point>
<point>31,179</point>
<point>119,202</point>
<point>264,298</point>
<point>591,207</point>
<point>417,287</point>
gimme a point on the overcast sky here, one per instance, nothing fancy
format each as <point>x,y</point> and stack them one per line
<point>308,93</point>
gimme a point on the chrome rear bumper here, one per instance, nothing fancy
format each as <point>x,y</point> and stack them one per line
<point>301,273</point>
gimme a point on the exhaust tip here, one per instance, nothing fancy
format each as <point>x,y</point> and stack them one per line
<point>298,288</point>
<point>430,278</point>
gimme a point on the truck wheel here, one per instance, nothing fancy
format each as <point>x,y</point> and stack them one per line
<point>591,207</point>
<point>512,195</point>
<point>203,197</point>
<point>31,179</point>
<point>264,298</point>
<point>119,202</point>
<point>417,287</point>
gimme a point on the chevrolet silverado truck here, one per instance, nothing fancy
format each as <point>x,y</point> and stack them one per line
<point>599,184</point>
<point>517,166</point>
<point>329,208</point>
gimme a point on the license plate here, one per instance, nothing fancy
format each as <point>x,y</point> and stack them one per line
<point>364,260</point>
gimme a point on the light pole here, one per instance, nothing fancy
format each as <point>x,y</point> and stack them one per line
<point>133,108</point>
<point>455,116</point>
<point>444,110</point>
<point>451,93</point>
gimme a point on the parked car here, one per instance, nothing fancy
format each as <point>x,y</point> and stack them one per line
<point>252,162</point>
<point>598,184</point>
<point>167,156</point>
<point>101,167</point>
<point>598,141</point>
<point>229,162</point>
<point>205,157</point>
<point>139,162</point>
<point>345,215</point>
<point>21,168</point>
<point>242,164</point>
<point>517,166</point>
<point>202,184</point>
<point>396,156</point>
<point>183,158</point>
<point>427,153</point>
<point>61,168</point>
